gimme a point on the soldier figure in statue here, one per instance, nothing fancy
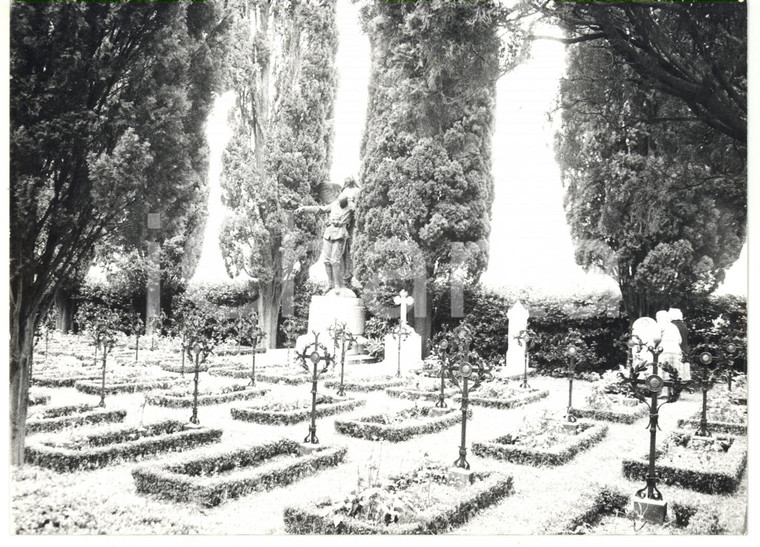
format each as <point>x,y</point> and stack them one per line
<point>336,247</point>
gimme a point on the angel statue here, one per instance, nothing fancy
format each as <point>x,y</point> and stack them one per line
<point>336,247</point>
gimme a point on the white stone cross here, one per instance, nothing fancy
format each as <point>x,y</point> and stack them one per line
<point>403,299</point>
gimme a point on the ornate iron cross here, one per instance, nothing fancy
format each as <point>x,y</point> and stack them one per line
<point>462,369</point>
<point>651,387</point>
<point>314,353</point>
<point>343,339</point>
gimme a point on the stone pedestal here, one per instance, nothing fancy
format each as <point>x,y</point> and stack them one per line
<point>653,511</point>
<point>461,478</point>
<point>436,411</point>
<point>571,428</point>
<point>411,351</point>
<point>304,449</point>
<point>327,310</point>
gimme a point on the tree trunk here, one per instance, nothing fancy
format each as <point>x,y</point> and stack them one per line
<point>423,325</point>
<point>269,312</point>
<point>21,355</point>
<point>64,306</point>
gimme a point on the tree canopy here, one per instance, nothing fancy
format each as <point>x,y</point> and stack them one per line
<point>282,70</point>
<point>108,102</point>
<point>425,208</point>
<point>654,197</point>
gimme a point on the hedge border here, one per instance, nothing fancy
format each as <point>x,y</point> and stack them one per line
<point>506,403</point>
<point>717,427</point>
<point>364,387</point>
<point>84,417</point>
<point>699,480</point>
<point>61,381</point>
<point>620,417</point>
<point>271,417</point>
<point>394,433</point>
<point>65,459</point>
<point>307,519</point>
<point>412,394</point>
<point>93,388</point>
<point>559,454</point>
<point>165,399</point>
<point>177,369</point>
<point>38,400</point>
<point>165,479</point>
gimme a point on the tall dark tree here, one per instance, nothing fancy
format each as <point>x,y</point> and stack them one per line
<point>425,207</point>
<point>283,73</point>
<point>105,115</point>
<point>654,197</point>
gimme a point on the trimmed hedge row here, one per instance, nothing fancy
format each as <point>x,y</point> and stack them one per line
<point>716,427</point>
<point>721,477</point>
<point>622,416</point>
<point>73,416</point>
<point>93,388</point>
<point>403,393</point>
<point>166,399</point>
<point>530,397</point>
<point>311,519</point>
<point>62,381</point>
<point>370,384</point>
<point>589,508</point>
<point>210,479</point>
<point>177,368</point>
<point>261,415</point>
<point>368,427</point>
<point>110,446</point>
<point>37,399</point>
<point>291,379</point>
<point>558,454</point>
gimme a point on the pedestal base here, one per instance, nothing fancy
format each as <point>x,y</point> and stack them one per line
<point>653,511</point>
<point>436,411</point>
<point>304,449</point>
<point>570,428</point>
<point>328,310</point>
<point>461,478</point>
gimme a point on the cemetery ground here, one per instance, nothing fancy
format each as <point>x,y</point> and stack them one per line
<point>580,496</point>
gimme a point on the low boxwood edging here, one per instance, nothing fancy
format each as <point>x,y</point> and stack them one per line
<point>413,422</point>
<point>716,427</point>
<point>263,415</point>
<point>108,446</point>
<point>211,478</point>
<point>56,418</point>
<point>291,379</point>
<point>167,399</point>
<point>37,399</point>
<point>452,507</point>
<point>369,384</point>
<point>700,469</point>
<point>512,402</point>
<point>93,388</point>
<point>178,369</point>
<point>62,381</point>
<point>412,394</point>
<point>558,454</point>
<point>621,415</point>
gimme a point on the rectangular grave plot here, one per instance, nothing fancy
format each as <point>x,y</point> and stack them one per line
<point>213,477</point>
<point>166,399</point>
<point>442,512</point>
<point>714,427</point>
<point>619,414</point>
<point>263,415</point>
<point>532,396</point>
<point>370,384</point>
<point>108,446</point>
<point>413,394</point>
<point>55,419</point>
<point>699,469</point>
<point>559,453</point>
<point>93,388</point>
<point>404,425</point>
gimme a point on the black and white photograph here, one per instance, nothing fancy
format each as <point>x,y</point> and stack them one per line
<point>307,268</point>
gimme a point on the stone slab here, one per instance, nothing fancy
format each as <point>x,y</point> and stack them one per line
<point>461,478</point>
<point>653,511</point>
